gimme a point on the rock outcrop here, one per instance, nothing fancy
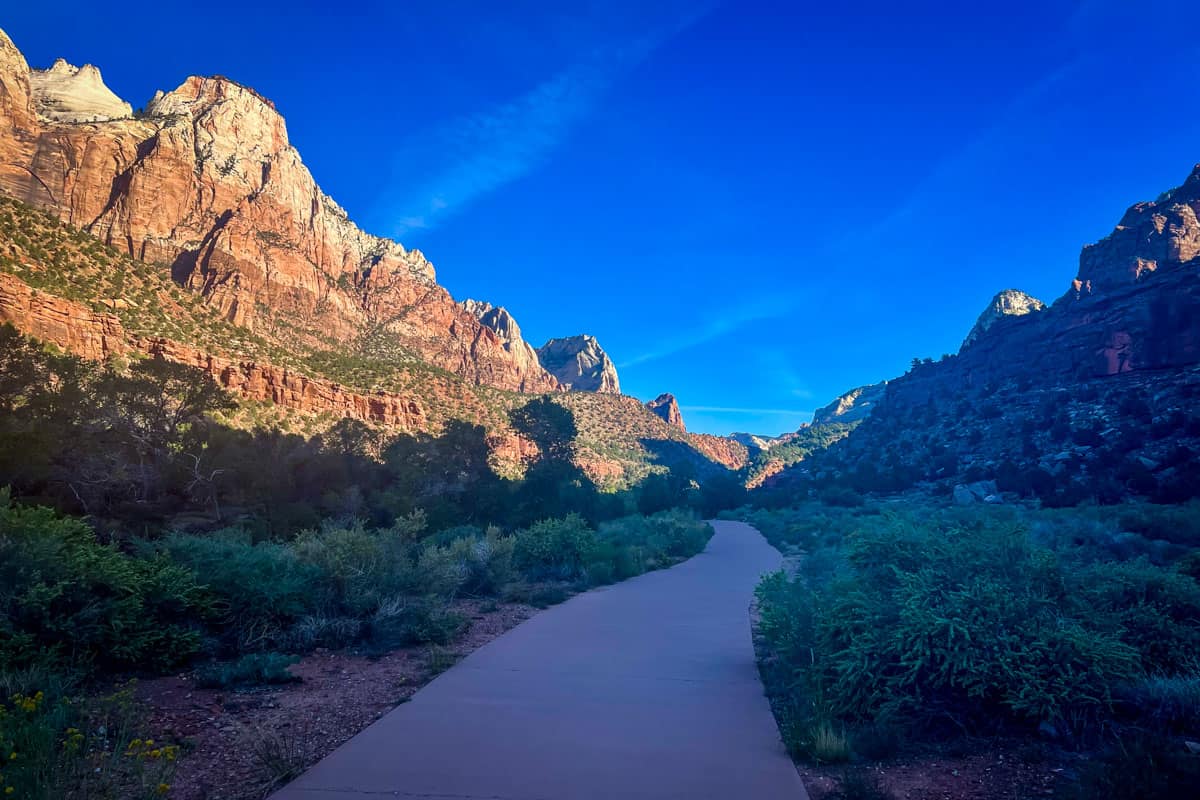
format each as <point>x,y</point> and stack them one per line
<point>580,364</point>
<point>753,441</point>
<point>79,330</point>
<point>1157,236</point>
<point>852,406</point>
<point>665,407</point>
<point>206,183</point>
<point>66,93</point>
<point>499,321</point>
<point>1008,303</point>
<point>720,449</point>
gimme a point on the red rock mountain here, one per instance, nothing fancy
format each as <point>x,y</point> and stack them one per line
<point>666,407</point>
<point>229,258</point>
<point>205,180</point>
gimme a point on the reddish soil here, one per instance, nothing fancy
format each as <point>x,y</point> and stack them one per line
<point>1001,774</point>
<point>240,745</point>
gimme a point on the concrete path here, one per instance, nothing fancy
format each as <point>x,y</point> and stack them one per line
<point>646,689</point>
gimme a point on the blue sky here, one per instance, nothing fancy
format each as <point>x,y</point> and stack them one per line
<point>755,206</point>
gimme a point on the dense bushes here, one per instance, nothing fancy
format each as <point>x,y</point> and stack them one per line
<point>148,446</point>
<point>65,598</point>
<point>555,549</point>
<point>70,605</point>
<point>69,601</point>
<point>920,617</point>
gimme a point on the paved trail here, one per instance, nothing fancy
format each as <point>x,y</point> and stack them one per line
<point>647,689</point>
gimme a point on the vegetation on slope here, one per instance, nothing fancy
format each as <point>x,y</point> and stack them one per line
<point>793,448</point>
<point>616,435</point>
<point>909,622</point>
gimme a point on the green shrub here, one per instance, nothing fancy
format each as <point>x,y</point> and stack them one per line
<point>254,669</point>
<point>677,533</point>
<point>858,784</point>
<point>451,535</point>
<point>259,588</point>
<point>1138,767</point>
<point>404,621</point>
<point>437,571</point>
<point>1165,704</point>
<point>842,496</point>
<point>1178,524</point>
<point>321,631</point>
<point>555,549</point>
<point>55,746</point>
<point>827,745</point>
<point>1155,611</point>
<point>539,595</point>
<point>487,562</point>
<point>64,597</point>
<point>359,566</point>
<point>955,613</point>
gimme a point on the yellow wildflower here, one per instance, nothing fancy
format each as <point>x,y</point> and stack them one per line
<point>8,790</point>
<point>156,753</point>
<point>163,788</point>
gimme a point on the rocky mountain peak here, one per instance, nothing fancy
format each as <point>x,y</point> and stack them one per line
<point>15,102</point>
<point>207,183</point>
<point>666,407</point>
<point>229,108</point>
<point>497,320</point>
<point>580,363</point>
<point>1008,303</point>
<point>854,405</point>
<point>1151,237</point>
<point>495,317</point>
<point>67,93</point>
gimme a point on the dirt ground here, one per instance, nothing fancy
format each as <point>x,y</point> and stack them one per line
<point>240,745</point>
<point>1001,774</point>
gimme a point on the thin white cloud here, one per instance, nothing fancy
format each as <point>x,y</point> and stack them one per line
<point>721,323</point>
<point>980,147</point>
<point>739,410</point>
<point>481,152</point>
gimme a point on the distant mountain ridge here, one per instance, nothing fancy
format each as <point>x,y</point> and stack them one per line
<point>1096,395</point>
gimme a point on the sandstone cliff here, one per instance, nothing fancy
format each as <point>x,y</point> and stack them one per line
<point>667,409</point>
<point>66,93</point>
<point>77,329</point>
<point>206,183</point>
<point>580,364</point>
<point>499,321</point>
<point>1008,303</point>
